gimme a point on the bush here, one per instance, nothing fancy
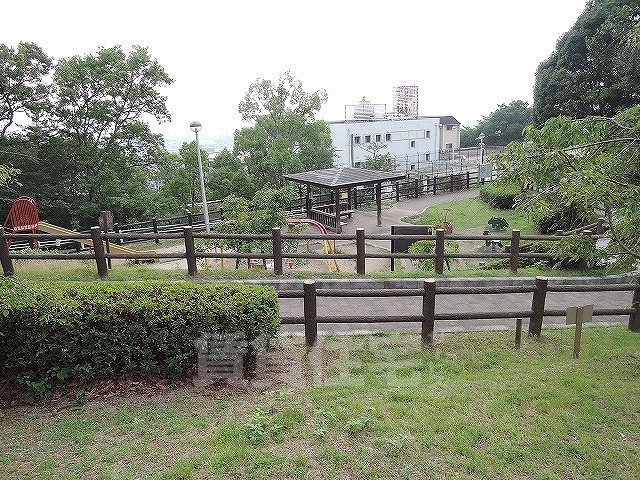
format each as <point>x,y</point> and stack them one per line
<point>428,247</point>
<point>500,195</point>
<point>56,331</point>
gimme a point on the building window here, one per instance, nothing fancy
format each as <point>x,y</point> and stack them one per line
<point>413,167</point>
<point>427,157</point>
<point>378,137</point>
<point>449,127</point>
<point>449,146</point>
<point>412,143</point>
<point>427,134</point>
<point>367,139</point>
<point>387,137</point>
<point>356,139</point>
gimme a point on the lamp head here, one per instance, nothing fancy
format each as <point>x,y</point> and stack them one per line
<point>195,126</point>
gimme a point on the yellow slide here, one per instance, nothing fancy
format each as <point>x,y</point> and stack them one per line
<point>114,248</point>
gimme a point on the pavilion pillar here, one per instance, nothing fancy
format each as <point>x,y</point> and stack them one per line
<point>379,202</point>
<point>349,198</point>
<point>307,203</point>
<point>336,197</point>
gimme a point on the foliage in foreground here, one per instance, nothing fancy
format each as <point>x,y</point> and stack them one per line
<point>60,331</point>
<point>591,165</point>
<point>369,406</point>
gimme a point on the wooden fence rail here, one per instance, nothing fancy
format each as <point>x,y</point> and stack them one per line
<point>429,292</point>
<point>276,253</point>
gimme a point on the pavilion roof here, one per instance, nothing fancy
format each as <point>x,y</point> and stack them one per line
<point>343,177</point>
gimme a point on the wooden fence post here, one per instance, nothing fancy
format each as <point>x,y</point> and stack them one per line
<point>416,187</point>
<point>435,184</point>
<point>355,198</point>
<point>428,310</point>
<point>467,179</point>
<point>514,250</point>
<point>439,250</point>
<point>634,318</point>
<point>276,241</point>
<point>397,187</point>
<point>360,251</point>
<point>310,313</point>
<point>98,251</point>
<point>7,264</point>
<point>451,183</point>
<point>518,332</point>
<point>190,218</point>
<point>154,222</point>
<point>537,306</point>
<point>190,250</point>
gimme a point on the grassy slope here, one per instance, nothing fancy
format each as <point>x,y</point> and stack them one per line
<point>471,214</point>
<point>472,407</point>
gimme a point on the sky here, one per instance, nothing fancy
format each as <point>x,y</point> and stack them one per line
<point>466,56</point>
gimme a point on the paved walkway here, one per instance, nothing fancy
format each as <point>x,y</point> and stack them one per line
<point>344,307</point>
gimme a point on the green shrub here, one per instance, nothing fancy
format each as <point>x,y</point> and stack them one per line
<point>428,247</point>
<point>55,331</point>
<point>500,195</point>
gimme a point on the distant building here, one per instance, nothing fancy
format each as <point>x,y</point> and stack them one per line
<point>449,134</point>
<point>405,101</point>
<point>414,143</point>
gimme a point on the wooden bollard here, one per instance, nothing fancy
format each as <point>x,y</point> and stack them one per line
<point>439,250</point>
<point>98,251</point>
<point>514,250</point>
<point>518,332</point>
<point>276,245</point>
<point>360,251</point>
<point>310,313</point>
<point>537,306</point>
<point>428,310</point>
<point>190,250</point>
<point>7,264</point>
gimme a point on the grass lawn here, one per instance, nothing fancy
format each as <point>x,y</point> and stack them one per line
<point>471,215</point>
<point>375,407</point>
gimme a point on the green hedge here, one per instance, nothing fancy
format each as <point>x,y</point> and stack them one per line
<point>86,331</point>
<point>499,195</point>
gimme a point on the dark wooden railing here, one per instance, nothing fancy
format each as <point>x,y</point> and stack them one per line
<point>276,237</point>
<point>428,317</point>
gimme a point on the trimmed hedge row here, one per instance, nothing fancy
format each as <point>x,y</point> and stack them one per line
<point>499,195</point>
<point>85,331</point>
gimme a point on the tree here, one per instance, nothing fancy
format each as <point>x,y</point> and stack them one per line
<point>592,164</point>
<point>229,176</point>
<point>503,125</point>
<point>266,210</point>
<point>285,137</point>
<point>22,86</point>
<point>179,178</point>
<point>595,68</point>
<point>376,160</point>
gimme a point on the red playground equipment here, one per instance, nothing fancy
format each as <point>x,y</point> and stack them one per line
<point>23,218</point>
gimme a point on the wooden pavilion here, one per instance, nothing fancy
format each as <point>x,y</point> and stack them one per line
<point>338,180</point>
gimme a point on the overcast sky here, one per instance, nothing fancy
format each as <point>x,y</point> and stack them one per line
<point>467,56</point>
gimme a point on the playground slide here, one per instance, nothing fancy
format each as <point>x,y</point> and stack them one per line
<point>114,248</point>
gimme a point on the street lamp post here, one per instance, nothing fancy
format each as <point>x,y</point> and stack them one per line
<point>196,127</point>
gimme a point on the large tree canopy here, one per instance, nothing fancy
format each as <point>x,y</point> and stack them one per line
<point>91,148</point>
<point>503,125</point>
<point>591,163</point>
<point>22,86</point>
<point>285,137</point>
<point>595,69</point>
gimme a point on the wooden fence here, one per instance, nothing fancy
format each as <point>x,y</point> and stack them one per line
<point>430,290</point>
<point>100,254</point>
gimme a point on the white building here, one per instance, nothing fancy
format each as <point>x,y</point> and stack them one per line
<point>414,143</point>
